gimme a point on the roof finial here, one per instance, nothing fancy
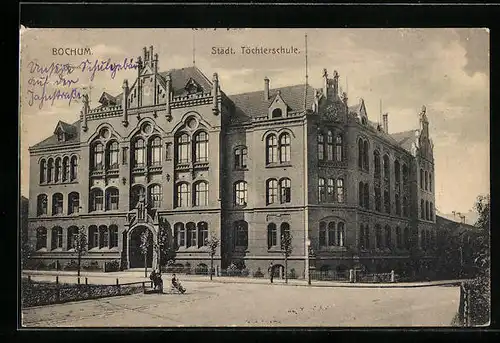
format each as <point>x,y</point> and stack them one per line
<point>194,50</point>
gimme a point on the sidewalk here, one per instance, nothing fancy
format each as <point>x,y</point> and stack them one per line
<point>136,276</point>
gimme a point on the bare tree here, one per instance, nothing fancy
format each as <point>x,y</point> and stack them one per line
<point>80,244</point>
<point>212,243</point>
<point>162,247</point>
<point>144,249</point>
<point>286,247</point>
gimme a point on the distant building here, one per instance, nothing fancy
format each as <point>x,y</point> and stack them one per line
<point>172,151</point>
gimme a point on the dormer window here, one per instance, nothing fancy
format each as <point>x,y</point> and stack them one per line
<point>61,137</point>
<point>363,121</point>
<point>277,113</point>
<point>192,87</point>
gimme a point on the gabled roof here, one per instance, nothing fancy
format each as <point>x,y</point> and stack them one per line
<point>52,140</point>
<point>405,139</point>
<point>252,104</point>
<point>65,127</point>
<point>106,97</point>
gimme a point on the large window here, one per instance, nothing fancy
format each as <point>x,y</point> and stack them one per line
<point>113,236</point>
<point>321,146</point>
<point>180,234</point>
<point>155,155</point>
<point>285,191</point>
<point>241,233</point>
<point>201,194</point>
<point>398,204</point>
<point>364,241</point>
<point>202,233</point>
<point>113,152</point>
<point>155,196</point>
<point>366,196</point>
<point>50,170</point>
<point>330,190</point>
<point>378,199</point>
<point>41,238</point>
<point>339,149</point>
<point>139,152</point>
<point>405,207</point>
<point>322,234</point>
<point>285,148</point>
<point>57,238</point>
<point>340,234</point>
<point>321,189</point>
<point>93,237</point>
<point>431,211</point>
<point>42,203</point>
<point>112,198</point>
<point>240,158</point>
<point>272,191</point>
<point>272,239</point>
<point>329,146</point>
<point>65,169</point>
<point>240,193</point>
<point>43,171</point>
<point>427,210</point>
<point>72,237</point>
<point>183,198</point>
<point>421,179</point>
<point>376,162</point>
<point>183,149</point>
<point>271,149</point>
<point>285,232</point>
<point>387,202</point>
<point>340,190</point>
<point>73,203</point>
<point>97,156</point>
<point>387,168</point>
<point>430,182</point>
<point>57,204</point>
<point>103,237</point>
<point>74,168</point>
<point>388,237</point>
<point>360,153</point>
<point>331,233</point>
<point>96,200</point>
<point>201,147</point>
<point>405,175</point>
<point>426,180</point>
<point>366,150</point>
<point>422,209</point>
<point>135,194</point>
<point>57,177</point>
<point>397,174</point>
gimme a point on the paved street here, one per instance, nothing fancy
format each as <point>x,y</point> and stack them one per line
<point>258,304</point>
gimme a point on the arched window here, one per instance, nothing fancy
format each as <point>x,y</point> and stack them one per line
<point>397,174</point>
<point>339,149</point>
<point>93,237</point>
<point>73,203</point>
<point>387,167</point>
<point>365,155</point>
<point>422,209</point>
<point>421,179</point>
<point>285,232</point>
<point>329,150</point>
<point>155,156</point>
<point>241,233</point>
<point>136,193</point>
<point>331,233</point>
<point>340,190</point>
<point>240,158</point>
<point>427,210</point>
<point>42,202</point>
<point>112,198</point>
<point>272,239</point>
<point>398,204</point>
<point>272,191</point>
<point>431,211</point>
<point>285,148</point>
<point>240,193</point>
<point>183,195</point>
<point>72,237</point>
<point>201,194</point>
<point>405,175</point>
<point>378,199</point>
<point>97,156</point>
<point>41,238</point>
<point>364,240</point>
<point>407,237</point>
<point>387,202</point>
<point>113,151</point>
<point>430,182</point>
<point>405,207</point>
<point>321,146</point>
<point>57,238</point>
<point>367,196</point>
<point>74,168</point>
<point>139,149</point>
<point>50,170</point>
<point>426,180</point>
<point>57,177</point>
<point>360,153</point>
<point>378,236</point>
<point>321,189</point>
<point>376,161</point>
<point>340,234</point>
<point>179,234</point>
<point>43,171</point>
<point>388,237</point>
<point>96,200</point>
<point>361,194</point>
<point>271,149</point>
<point>183,149</point>
<point>113,236</point>
<point>399,242</point>
<point>285,191</point>
<point>277,113</point>
<point>202,233</point>
<point>65,169</point>
<point>330,190</point>
<point>57,204</point>
<point>201,147</point>
<point>155,196</point>
<point>322,234</point>
<point>103,237</point>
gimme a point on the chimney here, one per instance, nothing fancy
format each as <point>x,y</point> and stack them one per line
<point>325,83</point>
<point>85,111</point>
<point>125,103</point>
<point>145,50</point>
<point>335,83</point>
<point>169,91</point>
<point>385,122</point>
<point>151,55</point>
<point>215,94</point>
<point>266,89</point>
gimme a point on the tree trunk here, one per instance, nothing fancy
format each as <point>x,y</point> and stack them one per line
<point>211,265</point>
<point>79,262</point>
<point>145,265</point>
<point>286,268</point>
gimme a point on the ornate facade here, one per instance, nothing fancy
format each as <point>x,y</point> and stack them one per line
<point>173,153</point>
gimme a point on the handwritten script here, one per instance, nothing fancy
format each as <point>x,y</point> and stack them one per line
<point>59,81</point>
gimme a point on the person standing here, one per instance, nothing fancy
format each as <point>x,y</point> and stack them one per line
<point>271,271</point>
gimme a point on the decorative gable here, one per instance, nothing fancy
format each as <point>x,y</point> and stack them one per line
<point>278,107</point>
<point>192,87</point>
<point>63,131</point>
<point>107,99</point>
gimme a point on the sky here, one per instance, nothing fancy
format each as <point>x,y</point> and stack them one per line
<point>447,70</point>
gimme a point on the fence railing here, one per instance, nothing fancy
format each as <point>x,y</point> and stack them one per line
<point>46,293</point>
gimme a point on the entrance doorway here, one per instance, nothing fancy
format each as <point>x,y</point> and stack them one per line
<point>136,257</point>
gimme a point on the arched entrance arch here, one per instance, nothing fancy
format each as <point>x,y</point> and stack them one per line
<point>135,256</point>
